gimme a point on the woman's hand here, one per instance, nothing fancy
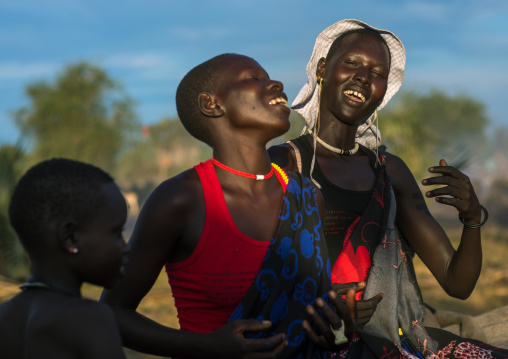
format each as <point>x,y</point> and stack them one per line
<point>230,342</point>
<point>337,319</point>
<point>457,191</point>
<point>362,310</point>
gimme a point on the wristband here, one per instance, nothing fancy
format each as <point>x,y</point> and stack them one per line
<point>485,217</point>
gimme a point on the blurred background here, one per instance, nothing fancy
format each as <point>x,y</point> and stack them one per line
<point>96,81</point>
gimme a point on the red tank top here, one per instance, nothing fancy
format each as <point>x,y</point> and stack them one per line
<point>209,284</point>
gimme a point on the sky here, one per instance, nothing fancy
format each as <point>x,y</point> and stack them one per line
<point>457,46</point>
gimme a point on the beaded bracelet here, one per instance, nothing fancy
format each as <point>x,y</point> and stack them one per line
<point>485,217</point>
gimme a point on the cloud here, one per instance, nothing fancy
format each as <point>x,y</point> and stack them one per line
<point>135,61</point>
<point>434,11</point>
<point>145,68</point>
<point>22,71</point>
<point>50,9</point>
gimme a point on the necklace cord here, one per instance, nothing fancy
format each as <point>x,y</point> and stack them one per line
<point>35,283</point>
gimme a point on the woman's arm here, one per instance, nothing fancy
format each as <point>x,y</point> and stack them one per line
<point>457,271</point>
<point>170,217</point>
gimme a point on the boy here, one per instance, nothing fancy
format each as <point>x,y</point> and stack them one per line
<point>69,217</point>
<point>213,228</point>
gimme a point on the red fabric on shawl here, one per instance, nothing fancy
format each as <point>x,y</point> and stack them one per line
<point>351,266</point>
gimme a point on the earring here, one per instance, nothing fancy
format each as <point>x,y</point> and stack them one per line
<point>320,80</point>
<point>377,137</point>
<point>73,250</point>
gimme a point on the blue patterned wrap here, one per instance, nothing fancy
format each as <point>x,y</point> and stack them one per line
<point>294,272</point>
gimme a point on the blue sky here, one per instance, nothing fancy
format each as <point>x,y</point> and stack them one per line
<point>458,46</point>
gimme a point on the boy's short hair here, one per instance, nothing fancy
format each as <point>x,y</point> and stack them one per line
<point>202,78</point>
<point>55,189</point>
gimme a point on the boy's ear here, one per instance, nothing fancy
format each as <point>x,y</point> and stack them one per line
<point>320,68</point>
<point>67,236</point>
<point>209,106</point>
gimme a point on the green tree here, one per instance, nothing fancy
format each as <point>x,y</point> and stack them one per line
<point>13,262</point>
<point>163,150</point>
<point>84,115</point>
<point>421,129</point>
<point>297,123</point>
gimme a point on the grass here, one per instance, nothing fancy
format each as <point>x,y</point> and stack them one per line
<point>490,292</point>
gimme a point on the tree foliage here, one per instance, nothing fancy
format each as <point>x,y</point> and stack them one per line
<point>421,129</point>
<point>13,262</point>
<point>164,150</point>
<point>83,115</point>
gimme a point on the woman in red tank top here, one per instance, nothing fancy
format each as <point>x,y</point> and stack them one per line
<point>214,225</point>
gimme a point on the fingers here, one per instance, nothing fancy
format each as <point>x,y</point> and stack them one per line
<point>343,288</point>
<point>351,302</point>
<point>365,304</point>
<point>322,323</point>
<point>231,336</point>
<point>332,318</point>
<point>457,191</point>
<point>366,308</point>
<point>345,311</point>
<point>444,169</point>
<point>311,334</point>
<point>243,325</point>
<point>270,347</point>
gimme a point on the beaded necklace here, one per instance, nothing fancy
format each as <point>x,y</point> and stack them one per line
<point>35,283</point>
<point>243,174</point>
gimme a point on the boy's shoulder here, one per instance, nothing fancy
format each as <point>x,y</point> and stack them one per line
<point>56,312</point>
<point>57,325</point>
<point>89,325</point>
<point>48,311</point>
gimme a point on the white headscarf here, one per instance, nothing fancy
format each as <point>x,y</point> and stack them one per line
<point>306,102</point>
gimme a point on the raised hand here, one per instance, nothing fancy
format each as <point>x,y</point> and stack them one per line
<point>230,342</point>
<point>457,191</point>
<point>337,319</point>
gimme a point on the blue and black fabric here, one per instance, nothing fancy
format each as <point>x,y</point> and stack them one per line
<point>294,272</point>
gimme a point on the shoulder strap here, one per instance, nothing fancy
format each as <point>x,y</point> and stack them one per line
<point>297,156</point>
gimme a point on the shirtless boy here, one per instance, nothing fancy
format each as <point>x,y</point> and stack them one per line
<point>69,218</point>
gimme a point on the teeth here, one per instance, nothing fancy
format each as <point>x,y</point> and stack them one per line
<point>278,101</point>
<point>356,94</point>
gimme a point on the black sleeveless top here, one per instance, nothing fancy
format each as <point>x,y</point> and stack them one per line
<point>342,206</point>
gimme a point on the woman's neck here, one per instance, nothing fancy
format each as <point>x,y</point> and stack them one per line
<point>337,134</point>
<point>244,157</point>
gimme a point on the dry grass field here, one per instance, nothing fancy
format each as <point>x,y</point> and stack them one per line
<point>492,288</point>
<point>491,291</point>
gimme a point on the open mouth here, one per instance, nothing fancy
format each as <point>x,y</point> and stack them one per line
<point>355,96</point>
<point>279,101</point>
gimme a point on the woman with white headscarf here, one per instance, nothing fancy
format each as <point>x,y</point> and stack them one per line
<point>375,213</point>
